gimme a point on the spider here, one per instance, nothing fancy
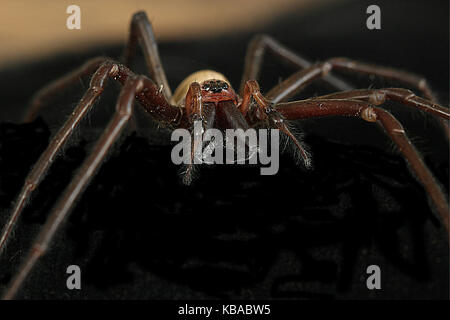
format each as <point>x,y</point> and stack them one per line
<point>207,96</point>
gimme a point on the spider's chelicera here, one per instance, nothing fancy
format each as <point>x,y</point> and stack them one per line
<point>207,96</point>
<point>233,147</point>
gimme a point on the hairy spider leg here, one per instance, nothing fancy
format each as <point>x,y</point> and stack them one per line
<point>323,107</point>
<point>299,80</point>
<point>266,111</point>
<point>254,59</point>
<point>291,85</point>
<point>150,98</point>
<point>404,96</point>
<point>210,114</point>
<point>140,31</point>
<point>388,122</point>
<point>195,112</point>
<point>124,109</point>
<point>280,93</point>
<point>41,97</point>
<point>41,167</point>
<point>213,106</point>
<point>143,32</point>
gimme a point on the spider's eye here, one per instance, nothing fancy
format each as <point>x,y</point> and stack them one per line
<point>215,86</point>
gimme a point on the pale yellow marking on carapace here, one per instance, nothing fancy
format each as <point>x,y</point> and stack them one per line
<point>199,76</point>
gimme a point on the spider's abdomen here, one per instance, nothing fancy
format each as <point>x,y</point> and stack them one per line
<point>215,88</point>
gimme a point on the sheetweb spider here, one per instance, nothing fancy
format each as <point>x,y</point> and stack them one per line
<point>208,96</point>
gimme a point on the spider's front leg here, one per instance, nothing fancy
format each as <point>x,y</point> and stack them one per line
<point>265,111</point>
<point>331,107</point>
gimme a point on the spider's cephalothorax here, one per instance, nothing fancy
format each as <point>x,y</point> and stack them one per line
<point>208,95</point>
<point>214,86</point>
<point>214,90</point>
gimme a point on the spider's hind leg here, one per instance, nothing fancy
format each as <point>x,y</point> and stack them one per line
<point>141,31</point>
<point>299,80</point>
<point>254,59</point>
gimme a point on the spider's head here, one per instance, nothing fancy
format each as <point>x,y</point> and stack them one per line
<point>217,90</point>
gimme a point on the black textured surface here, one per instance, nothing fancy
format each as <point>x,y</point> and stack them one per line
<point>138,233</point>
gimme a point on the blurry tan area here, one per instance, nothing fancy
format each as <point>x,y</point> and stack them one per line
<point>31,29</point>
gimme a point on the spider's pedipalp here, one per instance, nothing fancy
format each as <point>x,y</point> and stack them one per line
<point>266,111</point>
<point>299,80</point>
<point>369,114</point>
<point>254,58</point>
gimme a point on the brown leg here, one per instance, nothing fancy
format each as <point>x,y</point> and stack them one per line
<point>254,57</point>
<point>43,95</point>
<point>296,82</point>
<point>141,31</point>
<point>322,107</point>
<point>79,182</point>
<point>290,86</point>
<point>299,80</point>
<point>106,70</point>
<point>196,111</point>
<point>409,79</point>
<point>379,96</point>
<point>265,111</point>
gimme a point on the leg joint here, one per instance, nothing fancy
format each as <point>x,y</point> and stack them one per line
<point>326,68</point>
<point>369,114</point>
<point>260,39</point>
<point>377,97</point>
<point>340,61</point>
